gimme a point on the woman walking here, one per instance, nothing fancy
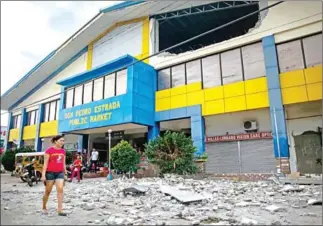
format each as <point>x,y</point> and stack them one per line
<point>54,171</point>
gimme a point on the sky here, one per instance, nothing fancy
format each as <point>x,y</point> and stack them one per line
<point>31,30</point>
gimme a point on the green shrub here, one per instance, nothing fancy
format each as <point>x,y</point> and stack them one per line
<point>172,153</point>
<point>8,157</point>
<point>124,157</point>
<point>69,157</point>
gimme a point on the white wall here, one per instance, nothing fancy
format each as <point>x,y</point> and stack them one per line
<point>287,21</point>
<point>51,88</point>
<point>232,123</point>
<point>300,118</point>
<point>69,139</point>
<point>126,39</point>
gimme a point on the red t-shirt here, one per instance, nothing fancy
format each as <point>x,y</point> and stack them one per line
<point>77,163</point>
<point>56,160</point>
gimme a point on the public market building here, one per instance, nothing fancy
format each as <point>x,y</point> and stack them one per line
<point>248,94</point>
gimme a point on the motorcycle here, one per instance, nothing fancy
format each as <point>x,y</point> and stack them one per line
<point>29,174</point>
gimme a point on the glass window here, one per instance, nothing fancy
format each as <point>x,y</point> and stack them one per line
<point>211,71</point>
<point>87,94</point>
<point>193,71</point>
<point>98,89</point>
<point>313,50</point>
<point>121,82</point>
<point>178,75</point>
<point>109,85</point>
<point>52,111</point>
<point>290,56</point>
<point>16,121</point>
<point>31,118</point>
<point>164,79</point>
<point>231,66</point>
<point>69,98</point>
<point>46,112</point>
<point>253,61</point>
<point>78,95</point>
<point>57,110</point>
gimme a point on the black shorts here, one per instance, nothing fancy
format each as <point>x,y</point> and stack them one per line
<point>54,176</point>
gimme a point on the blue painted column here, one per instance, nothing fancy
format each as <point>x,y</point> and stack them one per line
<point>40,119</point>
<point>277,115</point>
<point>21,128</point>
<point>7,144</point>
<point>153,131</point>
<point>197,132</point>
<point>62,99</point>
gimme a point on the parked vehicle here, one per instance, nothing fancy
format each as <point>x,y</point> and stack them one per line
<point>24,159</point>
<point>29,173</point>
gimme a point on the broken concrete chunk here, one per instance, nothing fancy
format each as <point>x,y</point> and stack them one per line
<point>247,221</point>
<point>314,202</point>
<point>274,208</point>
<point>290,188</point>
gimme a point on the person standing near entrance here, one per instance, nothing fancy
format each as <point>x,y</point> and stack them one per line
<point>94,159</point>
<point>54,171</point>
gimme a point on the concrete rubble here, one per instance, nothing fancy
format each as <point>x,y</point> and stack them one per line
<point>174,201</point>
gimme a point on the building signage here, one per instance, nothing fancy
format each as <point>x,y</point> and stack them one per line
<point>236,137</point>
<point>92,114</point>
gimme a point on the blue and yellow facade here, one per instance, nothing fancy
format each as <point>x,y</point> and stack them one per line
<point>144,104</point>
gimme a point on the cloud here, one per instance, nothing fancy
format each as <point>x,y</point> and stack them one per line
<point>31,30</point>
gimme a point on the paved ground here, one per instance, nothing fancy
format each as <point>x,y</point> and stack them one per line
<point>96,201</point>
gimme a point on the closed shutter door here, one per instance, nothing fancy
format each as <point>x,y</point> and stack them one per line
<point>257,156</point>
<point>222,158</point>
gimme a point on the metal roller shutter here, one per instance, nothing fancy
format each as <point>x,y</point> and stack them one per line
<point>222,158</point>
<point>257,156</point>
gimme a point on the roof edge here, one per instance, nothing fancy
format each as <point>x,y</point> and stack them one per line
<point>108,67</point>
<point>121,5</point>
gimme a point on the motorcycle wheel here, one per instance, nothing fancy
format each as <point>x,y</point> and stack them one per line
<point>30,182</point>
<point>23,179</point>
<point>38,174</point>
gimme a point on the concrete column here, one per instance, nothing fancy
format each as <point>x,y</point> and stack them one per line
<point>7,144</point>
<point>21,129</point>
<point>277,113</point>
<point>153,131</point>
<point>40,119</point>
<point>82,142</point>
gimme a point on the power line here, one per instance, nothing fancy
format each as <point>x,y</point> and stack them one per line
<point>162,51</point>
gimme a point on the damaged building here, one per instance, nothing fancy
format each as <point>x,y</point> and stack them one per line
<point>249,94</point>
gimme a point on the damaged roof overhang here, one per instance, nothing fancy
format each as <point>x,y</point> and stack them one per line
<point>60,58</point>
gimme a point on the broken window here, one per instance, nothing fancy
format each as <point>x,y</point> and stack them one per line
<point>211,71</point>
<point>178,26</point>
<point>313,50</point>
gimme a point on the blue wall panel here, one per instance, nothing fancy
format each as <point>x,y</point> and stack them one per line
<point>277,114</point>
<point>197,123</point>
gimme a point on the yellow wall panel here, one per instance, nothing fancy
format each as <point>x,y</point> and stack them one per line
<point>213,107</point>
<point>292,78</point>
<point>48,129</point>
<point>178,101</point>
<point>178,90</point>
<point>13,134</point>
<point>313,74</point>
<point>314,91</point>
<point>235,104</point>
<point>195,98</point>
<point>257,100</point>
<point>29,132</point>
<point>213,93</point>
<point>256,85</point>
<point>234,89</point>
<point>293,95</point>
<point>193,87</point>
<point>163,93</point>
<point>163,104</point>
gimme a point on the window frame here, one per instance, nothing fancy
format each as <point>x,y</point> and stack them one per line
<point>56,111</point>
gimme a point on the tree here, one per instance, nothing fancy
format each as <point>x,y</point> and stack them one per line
<point>172,153</point>
<point>8,157</point>
<point>124,157</point>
